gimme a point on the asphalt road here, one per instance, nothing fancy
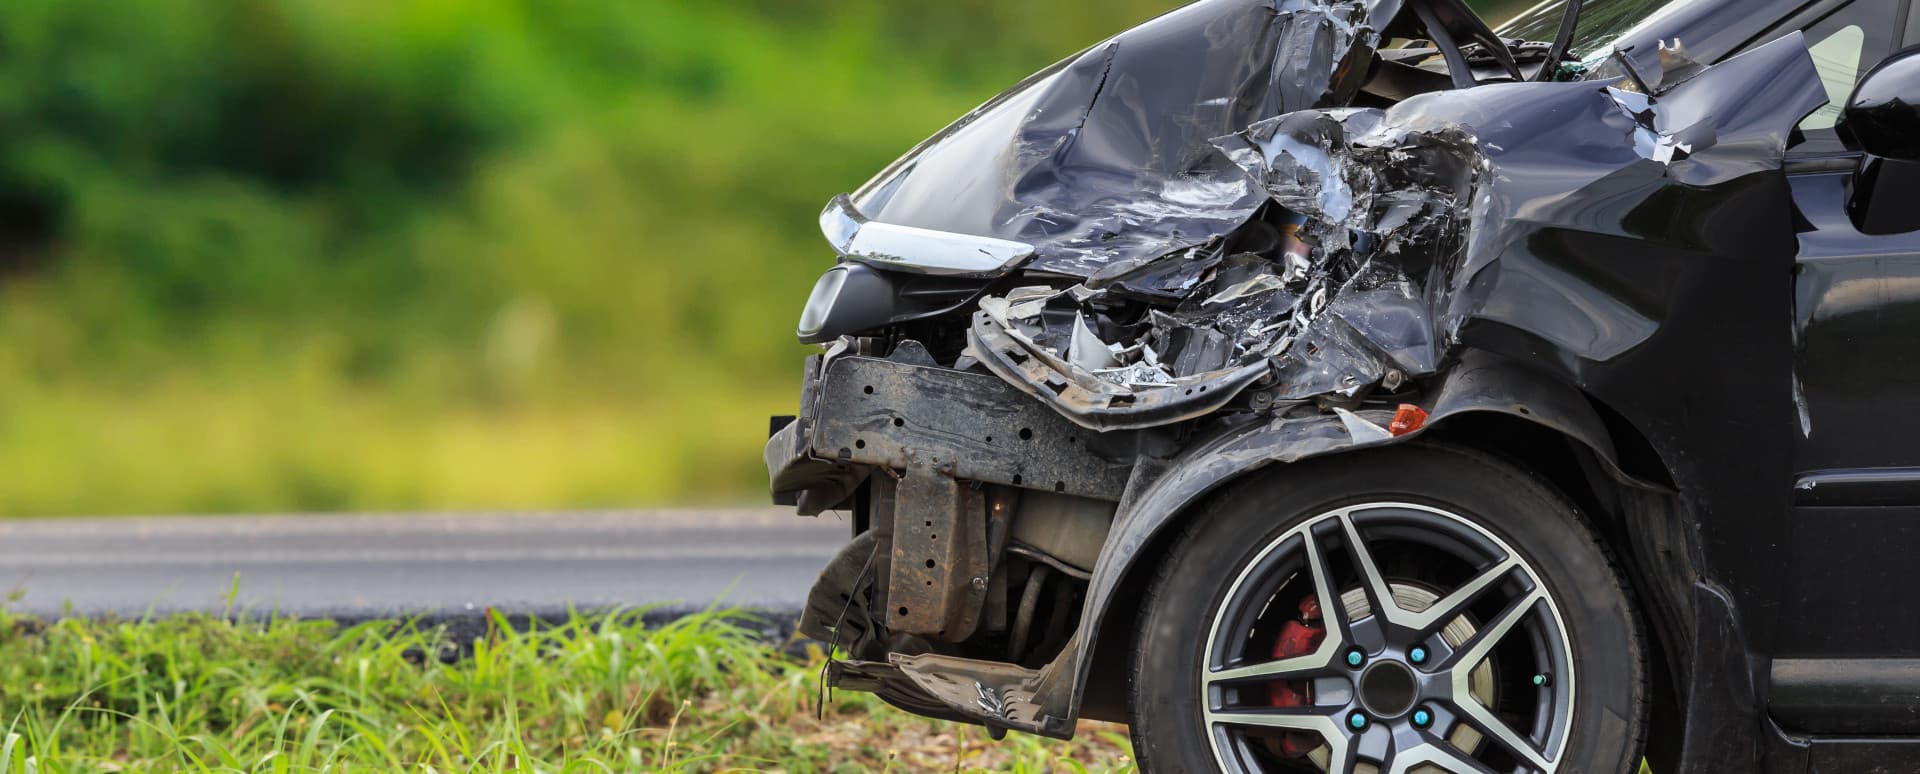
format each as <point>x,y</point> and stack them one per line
<point>363,566</point>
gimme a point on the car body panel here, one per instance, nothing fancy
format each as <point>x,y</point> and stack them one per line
<point>1617,296</point>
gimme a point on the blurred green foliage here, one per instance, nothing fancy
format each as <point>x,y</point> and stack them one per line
<point>363,254</point>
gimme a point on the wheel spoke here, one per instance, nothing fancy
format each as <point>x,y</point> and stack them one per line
<point>1452,605</point>
<point>1379,595</point>
<point>1475,650</point>
<point>1289,718</point>
<point>1339,747</point>
<point>1298,667</point>
<point>1311,664</point>
<point>1343,757</point>
<point>1331,610</point>
<point>1435,752</point>
<point>1477,714</point>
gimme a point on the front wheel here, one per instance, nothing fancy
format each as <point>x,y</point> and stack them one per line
<point>1416,609</point>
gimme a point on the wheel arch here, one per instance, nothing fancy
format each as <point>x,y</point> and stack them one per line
<point>1577,445</point>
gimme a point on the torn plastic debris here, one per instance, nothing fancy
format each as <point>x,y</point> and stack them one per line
<point>1141,391</point>
<point>1325,306</point>
<point>1361,430</point>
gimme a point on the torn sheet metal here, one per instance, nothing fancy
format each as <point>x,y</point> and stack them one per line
<point>1567,261</point>
<point>1378,239</point>
<point>1102,161</point>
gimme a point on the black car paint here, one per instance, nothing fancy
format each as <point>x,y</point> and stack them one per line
<point>1618,296</point>
<point>1763,594</point>
<point>1845,652</point>
<point>1880,115</point>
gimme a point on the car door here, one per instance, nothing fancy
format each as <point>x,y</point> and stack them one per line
<point>1847,640</point>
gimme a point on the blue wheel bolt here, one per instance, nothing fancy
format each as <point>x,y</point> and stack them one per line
<point>1541,680</point>
<point>1356,658</point>
<point>1357,720</point>
<point>1418,655</point>
<point>1422,718</point>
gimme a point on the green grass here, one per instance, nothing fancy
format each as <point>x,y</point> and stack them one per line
<point>592,694</point>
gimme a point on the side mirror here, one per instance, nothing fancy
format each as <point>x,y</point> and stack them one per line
<point>1883,115</point>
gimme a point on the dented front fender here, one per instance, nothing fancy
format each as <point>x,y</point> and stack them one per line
<point>1481,383</point>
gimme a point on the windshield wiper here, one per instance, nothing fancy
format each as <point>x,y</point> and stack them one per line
<point>1562,41</point>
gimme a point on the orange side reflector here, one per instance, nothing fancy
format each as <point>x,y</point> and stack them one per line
<point>1408,419</point>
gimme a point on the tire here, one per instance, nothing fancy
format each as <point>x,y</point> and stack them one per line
<point>1241,582</point>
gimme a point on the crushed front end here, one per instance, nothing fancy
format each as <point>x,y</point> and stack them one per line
<point>1239,235</point>
<point>978,516</point>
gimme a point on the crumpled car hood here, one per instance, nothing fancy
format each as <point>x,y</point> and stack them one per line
<point>1104,160</point>
<point>1234,228</point>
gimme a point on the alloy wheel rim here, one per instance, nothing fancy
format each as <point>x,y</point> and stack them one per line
<point>1362,669</point>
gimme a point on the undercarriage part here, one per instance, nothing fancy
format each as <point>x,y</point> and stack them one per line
<point>959,466</point>
<point>938,583</point>
<point>892,684</point>
<point>847,606</point>
<point>841,606</point>
<point>1041,557</point>
<point>1029,602</point>
<point>1001,502</point>
<point>988,692</point>
<point>995,694</point>
<point>1068,529</point>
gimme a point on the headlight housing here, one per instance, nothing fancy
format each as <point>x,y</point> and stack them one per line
<point>853,298</point>
<point>849,298</point>
<point>813,318</point>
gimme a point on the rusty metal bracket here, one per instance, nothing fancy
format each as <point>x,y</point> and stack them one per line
<point>938,582</point>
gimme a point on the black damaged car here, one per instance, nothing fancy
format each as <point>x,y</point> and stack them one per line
<point>1347,385</point>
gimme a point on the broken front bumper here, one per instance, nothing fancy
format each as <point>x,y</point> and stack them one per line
<point>943,455</point>
<point>860,414</point>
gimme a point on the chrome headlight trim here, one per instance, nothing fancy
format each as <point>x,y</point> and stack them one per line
<point>918,250</point>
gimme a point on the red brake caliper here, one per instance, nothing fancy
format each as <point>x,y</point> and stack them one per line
<point>1297,638</point>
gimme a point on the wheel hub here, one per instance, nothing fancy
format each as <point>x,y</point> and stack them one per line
<point>1453,635</point>
<point>1388,689</point>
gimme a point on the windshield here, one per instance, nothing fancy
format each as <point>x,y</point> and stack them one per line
<point>1601,23</point>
